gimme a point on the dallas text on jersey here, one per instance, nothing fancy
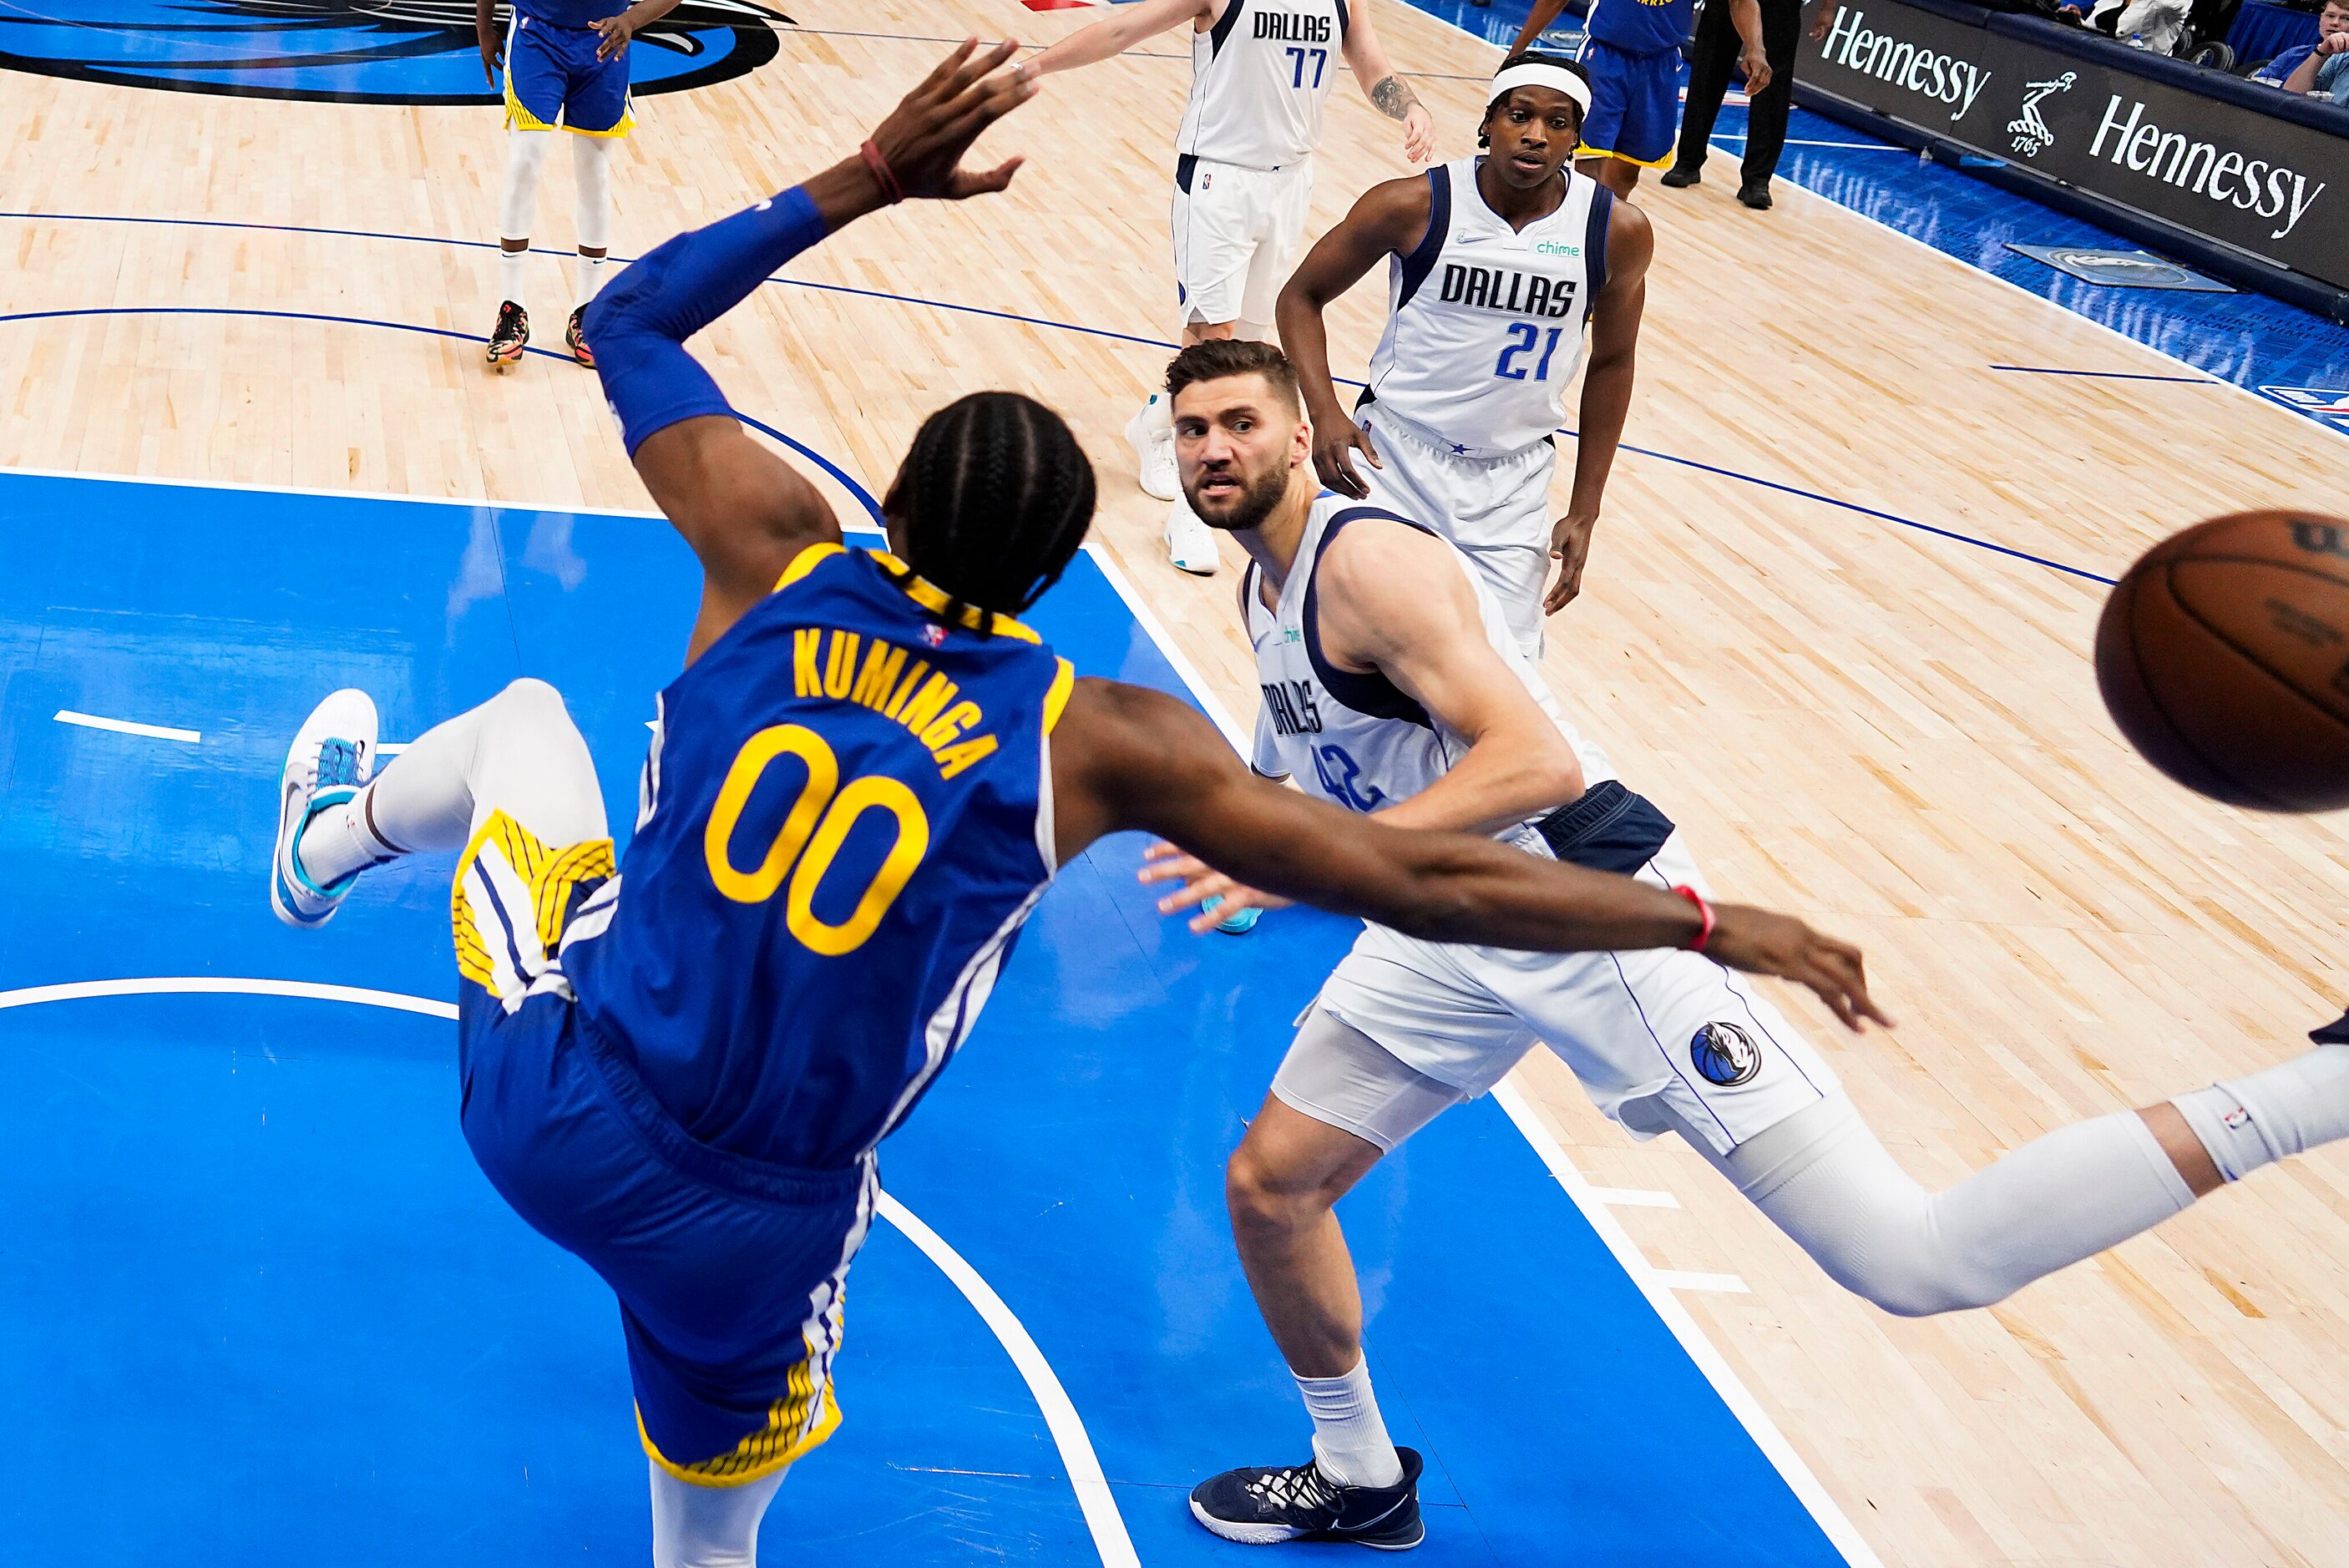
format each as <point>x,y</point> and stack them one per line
<point>1288,27</point>
<point>1292,707</point>
<point>1508,293</point>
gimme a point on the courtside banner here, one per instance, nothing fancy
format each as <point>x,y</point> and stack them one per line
<point>2275,188</point>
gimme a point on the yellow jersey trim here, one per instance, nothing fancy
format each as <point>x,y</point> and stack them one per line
<point>807,561</point>
<point>934,599</point>
<point>1587,150</point>
<point>1064,681</point>
<point>797,1424</point>
<point>551,872</point>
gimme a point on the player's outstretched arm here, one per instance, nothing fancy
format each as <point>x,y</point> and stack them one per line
<point>1127,758</point>
<point>1115,34</point>
<point>1391,219</point>
<point>745,511</point>
<point>1388,93</point>
<point>1606,394</point>
<point>1537,22</point>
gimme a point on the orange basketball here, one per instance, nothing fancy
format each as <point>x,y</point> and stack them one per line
<point>2223,656</point>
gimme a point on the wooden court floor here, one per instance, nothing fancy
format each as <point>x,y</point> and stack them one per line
<point>1892,730</point>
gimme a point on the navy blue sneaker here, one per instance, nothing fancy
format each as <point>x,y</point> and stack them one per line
<point>1260,1507</point>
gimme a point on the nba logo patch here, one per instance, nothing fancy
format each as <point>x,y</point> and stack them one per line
<point>1726,1054</point>
<point>935,635</point>
<point>2326,404</point>
<point>1206,181</point>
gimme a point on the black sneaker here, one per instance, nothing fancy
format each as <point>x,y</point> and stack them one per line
<point>511,336</point>
<point>1261,1507</point>
<point>1755,193</point>
<point>578,339</point>
<point>1681,176</point>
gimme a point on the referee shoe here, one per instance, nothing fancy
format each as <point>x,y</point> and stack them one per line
<point>1260,1507</point>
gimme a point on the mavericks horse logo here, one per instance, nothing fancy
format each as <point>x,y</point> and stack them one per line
<point>1726,1054</point>
<point>346,51</point>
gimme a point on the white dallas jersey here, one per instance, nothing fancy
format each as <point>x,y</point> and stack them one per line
<point>1359,738</point>
<point>1485,322</point>
<point>1260,80</point>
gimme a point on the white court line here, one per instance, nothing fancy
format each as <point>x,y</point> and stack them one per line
<point>1077,1456</point>
<point>1092,1487</point>
<point>1833,1522</point>
<point>1681,1279</point>
<point>1634,1197</point>
<point>126,727</point>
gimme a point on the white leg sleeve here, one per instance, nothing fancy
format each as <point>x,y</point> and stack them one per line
<point>591,166</point>
<point>1824,1178</point>
<point>709,1526</point>
<point>518,205</point>
<point>518,753</point>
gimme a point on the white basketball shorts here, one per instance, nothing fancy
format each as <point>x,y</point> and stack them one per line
<point>1496,509</point>
<point>1634,1027</point>
<point>1237,235</point>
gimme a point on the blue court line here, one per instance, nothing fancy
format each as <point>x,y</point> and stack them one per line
<point>1795,490</point>
<point>2111,375</point>
<point>848,481</point>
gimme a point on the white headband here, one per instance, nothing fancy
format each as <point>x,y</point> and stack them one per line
<point>1534,74</point>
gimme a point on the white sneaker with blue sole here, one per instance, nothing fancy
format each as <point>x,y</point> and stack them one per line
<point>331,760</point>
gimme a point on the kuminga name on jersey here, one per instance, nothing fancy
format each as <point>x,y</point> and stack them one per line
<point>1260,80</point>
<point>846,819</point>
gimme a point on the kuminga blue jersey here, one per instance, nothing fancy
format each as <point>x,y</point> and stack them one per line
<point>1641,27</point>
<point>570,13</point>
<point>846,817</point>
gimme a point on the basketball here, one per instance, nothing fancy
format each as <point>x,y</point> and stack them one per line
<point>2223,656</point>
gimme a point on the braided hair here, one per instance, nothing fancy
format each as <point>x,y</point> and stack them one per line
<point>1530,57</point>
<point>994,498</point>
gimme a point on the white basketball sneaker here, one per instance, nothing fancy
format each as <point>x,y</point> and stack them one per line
<point>1150,434</point>
<point>331,760</point>
<point>1190,543</point>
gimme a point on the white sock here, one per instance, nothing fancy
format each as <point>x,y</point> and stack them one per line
<point>2271,1115</point>
<point>1350,1437</point>
<point>339,841</point>
<point>511,265</point>
<point>591,277</point>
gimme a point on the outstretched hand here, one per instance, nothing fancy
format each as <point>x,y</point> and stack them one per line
<point>1761,943</point>
<point>924,138</point>
<point>1163,862</point>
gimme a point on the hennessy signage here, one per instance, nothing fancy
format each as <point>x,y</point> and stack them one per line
<point>2275,188</point>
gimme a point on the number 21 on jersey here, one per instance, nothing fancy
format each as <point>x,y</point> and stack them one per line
<point>810,836</point>
<point>1523,336</point>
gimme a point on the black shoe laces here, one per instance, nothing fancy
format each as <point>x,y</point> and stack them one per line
<point>1300,1487</point>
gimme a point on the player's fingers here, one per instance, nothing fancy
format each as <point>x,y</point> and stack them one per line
<point>975,67</point>
<point>1160,851</point>
<point>944,70</point>
<point>988,181</point>
<point>1363,438</point>
<point>1182,869</point>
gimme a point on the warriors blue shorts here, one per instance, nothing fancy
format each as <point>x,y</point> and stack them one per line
<point>553,75</point>
<point>728,1269</point>
<point>1635,105</point>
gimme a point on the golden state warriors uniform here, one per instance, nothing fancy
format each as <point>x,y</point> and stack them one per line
<point>553,75</point>
<point>1631,49</point>
<point>1665,1024</point>
<point>679,1072</point>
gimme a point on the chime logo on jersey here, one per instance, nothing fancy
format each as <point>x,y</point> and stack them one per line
<point>1508,293</point>
<point>346,51</point>
<point>1726,1054</point>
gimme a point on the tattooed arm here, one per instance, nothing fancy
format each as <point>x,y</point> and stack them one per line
<point>1386,90</point>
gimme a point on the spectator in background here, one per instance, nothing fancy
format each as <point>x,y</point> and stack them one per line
<point>2319,67</point>
<point>1717,50</point>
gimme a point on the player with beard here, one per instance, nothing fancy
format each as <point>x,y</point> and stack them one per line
<point>1495,263</point>
<point>1391,679</point>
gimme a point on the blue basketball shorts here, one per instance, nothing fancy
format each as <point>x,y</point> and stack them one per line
<point>553,75</point>
<point>1635,105</point>
<point>729,1271</point>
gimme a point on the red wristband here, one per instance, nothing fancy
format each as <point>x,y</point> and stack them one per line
<point>891,191</point>
<point>1704,932</point>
